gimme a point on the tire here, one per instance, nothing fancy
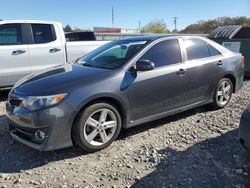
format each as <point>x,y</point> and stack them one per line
<point>97,127</point>
<point>222,94</point>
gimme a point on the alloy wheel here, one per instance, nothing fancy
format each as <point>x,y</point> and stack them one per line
<point>223,93</point>
<point>100,127</point>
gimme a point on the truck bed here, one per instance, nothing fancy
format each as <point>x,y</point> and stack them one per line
<point>77,49</point>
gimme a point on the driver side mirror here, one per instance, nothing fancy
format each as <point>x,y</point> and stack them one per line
<point>144,65</point>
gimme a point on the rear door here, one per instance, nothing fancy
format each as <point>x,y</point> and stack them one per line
<point>14,56</point>
<point>47,49</point>
<point>162,89</point>
<point>204,68</point>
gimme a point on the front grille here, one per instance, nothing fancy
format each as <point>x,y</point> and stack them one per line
<point>12,102</point>
<point>15,102</point>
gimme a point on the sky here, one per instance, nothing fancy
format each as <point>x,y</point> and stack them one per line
<point>86,14</point>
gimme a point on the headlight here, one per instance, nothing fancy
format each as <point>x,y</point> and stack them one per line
<point>38,102</point>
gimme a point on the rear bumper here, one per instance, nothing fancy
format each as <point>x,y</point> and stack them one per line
<point>244,129</point>
<point>55,122</point>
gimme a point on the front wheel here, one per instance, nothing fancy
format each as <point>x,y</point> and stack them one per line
<point>97,127</point>
<point>223,93</point>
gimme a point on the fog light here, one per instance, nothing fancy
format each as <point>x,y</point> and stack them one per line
<point>40,135</point>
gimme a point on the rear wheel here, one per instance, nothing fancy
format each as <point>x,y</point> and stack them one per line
<point>223,93</point>
<point>97,127</point>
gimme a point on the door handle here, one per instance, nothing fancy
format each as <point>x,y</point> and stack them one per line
<point>18,52</point>
<point>219,63</point>
<point>181,72</point>
<point>54,50</point>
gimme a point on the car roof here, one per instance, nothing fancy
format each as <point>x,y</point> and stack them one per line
<point>148,37</point>
<point>153,37</point>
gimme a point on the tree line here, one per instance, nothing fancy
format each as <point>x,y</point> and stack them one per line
<point>207,26</point>
<point>68,28</point>
<point>201,27</point>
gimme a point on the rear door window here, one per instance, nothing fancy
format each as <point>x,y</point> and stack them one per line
<point>196,49</point>
<point>10,34</point>
<point>164,53</point>
<point>213,51</point>
<point>43,33</point>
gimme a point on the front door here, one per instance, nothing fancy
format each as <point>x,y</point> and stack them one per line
<point>162,89</point>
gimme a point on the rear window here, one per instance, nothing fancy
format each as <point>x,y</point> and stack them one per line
<point>80,36</point>
<point>10,34</point>
<point>43,33</point>
<point>71,37</point>
<point>85,36</point>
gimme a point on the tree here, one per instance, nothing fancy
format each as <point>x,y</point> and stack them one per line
<point>156,26</point>
<point>175,31</point>
<point>67,28</point>
<point>76,29</point>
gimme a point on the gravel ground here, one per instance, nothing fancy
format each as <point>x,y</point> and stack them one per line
<point>197,148</point>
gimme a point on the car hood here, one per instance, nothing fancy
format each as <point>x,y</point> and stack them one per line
<point>59,79</point>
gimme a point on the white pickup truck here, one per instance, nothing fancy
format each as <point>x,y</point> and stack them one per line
<point>29,46</point>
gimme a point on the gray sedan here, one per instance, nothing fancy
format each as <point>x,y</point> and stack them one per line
<point>121,84</point>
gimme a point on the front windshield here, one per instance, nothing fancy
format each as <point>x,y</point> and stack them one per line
<point>112,55</point>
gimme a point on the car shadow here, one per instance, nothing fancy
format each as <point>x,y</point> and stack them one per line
<point>209,163</point>
<point>246,78</point>
<point>125,133</point>
<point>15,156</point>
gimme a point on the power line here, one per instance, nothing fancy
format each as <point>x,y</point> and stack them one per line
<point>113,17</point>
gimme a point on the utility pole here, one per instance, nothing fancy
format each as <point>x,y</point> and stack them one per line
<point>139,25</point>
<point>175,22</point>
<point>113,17</point>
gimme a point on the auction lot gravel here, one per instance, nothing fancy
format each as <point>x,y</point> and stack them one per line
<point>198,148</point>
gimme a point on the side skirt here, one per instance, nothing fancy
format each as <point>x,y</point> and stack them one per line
<point>168,113</point>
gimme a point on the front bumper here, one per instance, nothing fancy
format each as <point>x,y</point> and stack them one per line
<point>55,122</point>
<point>244,129</point>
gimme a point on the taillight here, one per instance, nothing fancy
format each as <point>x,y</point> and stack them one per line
<point>242,59</point>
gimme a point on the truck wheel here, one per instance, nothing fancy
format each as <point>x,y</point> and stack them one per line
<point>223,93</point>
<point>97,127</point>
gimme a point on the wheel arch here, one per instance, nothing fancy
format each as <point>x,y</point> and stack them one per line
<point>108,99</point>
<point>232,78</point>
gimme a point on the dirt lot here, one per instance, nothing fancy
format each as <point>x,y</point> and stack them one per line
<point>197,148</point>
